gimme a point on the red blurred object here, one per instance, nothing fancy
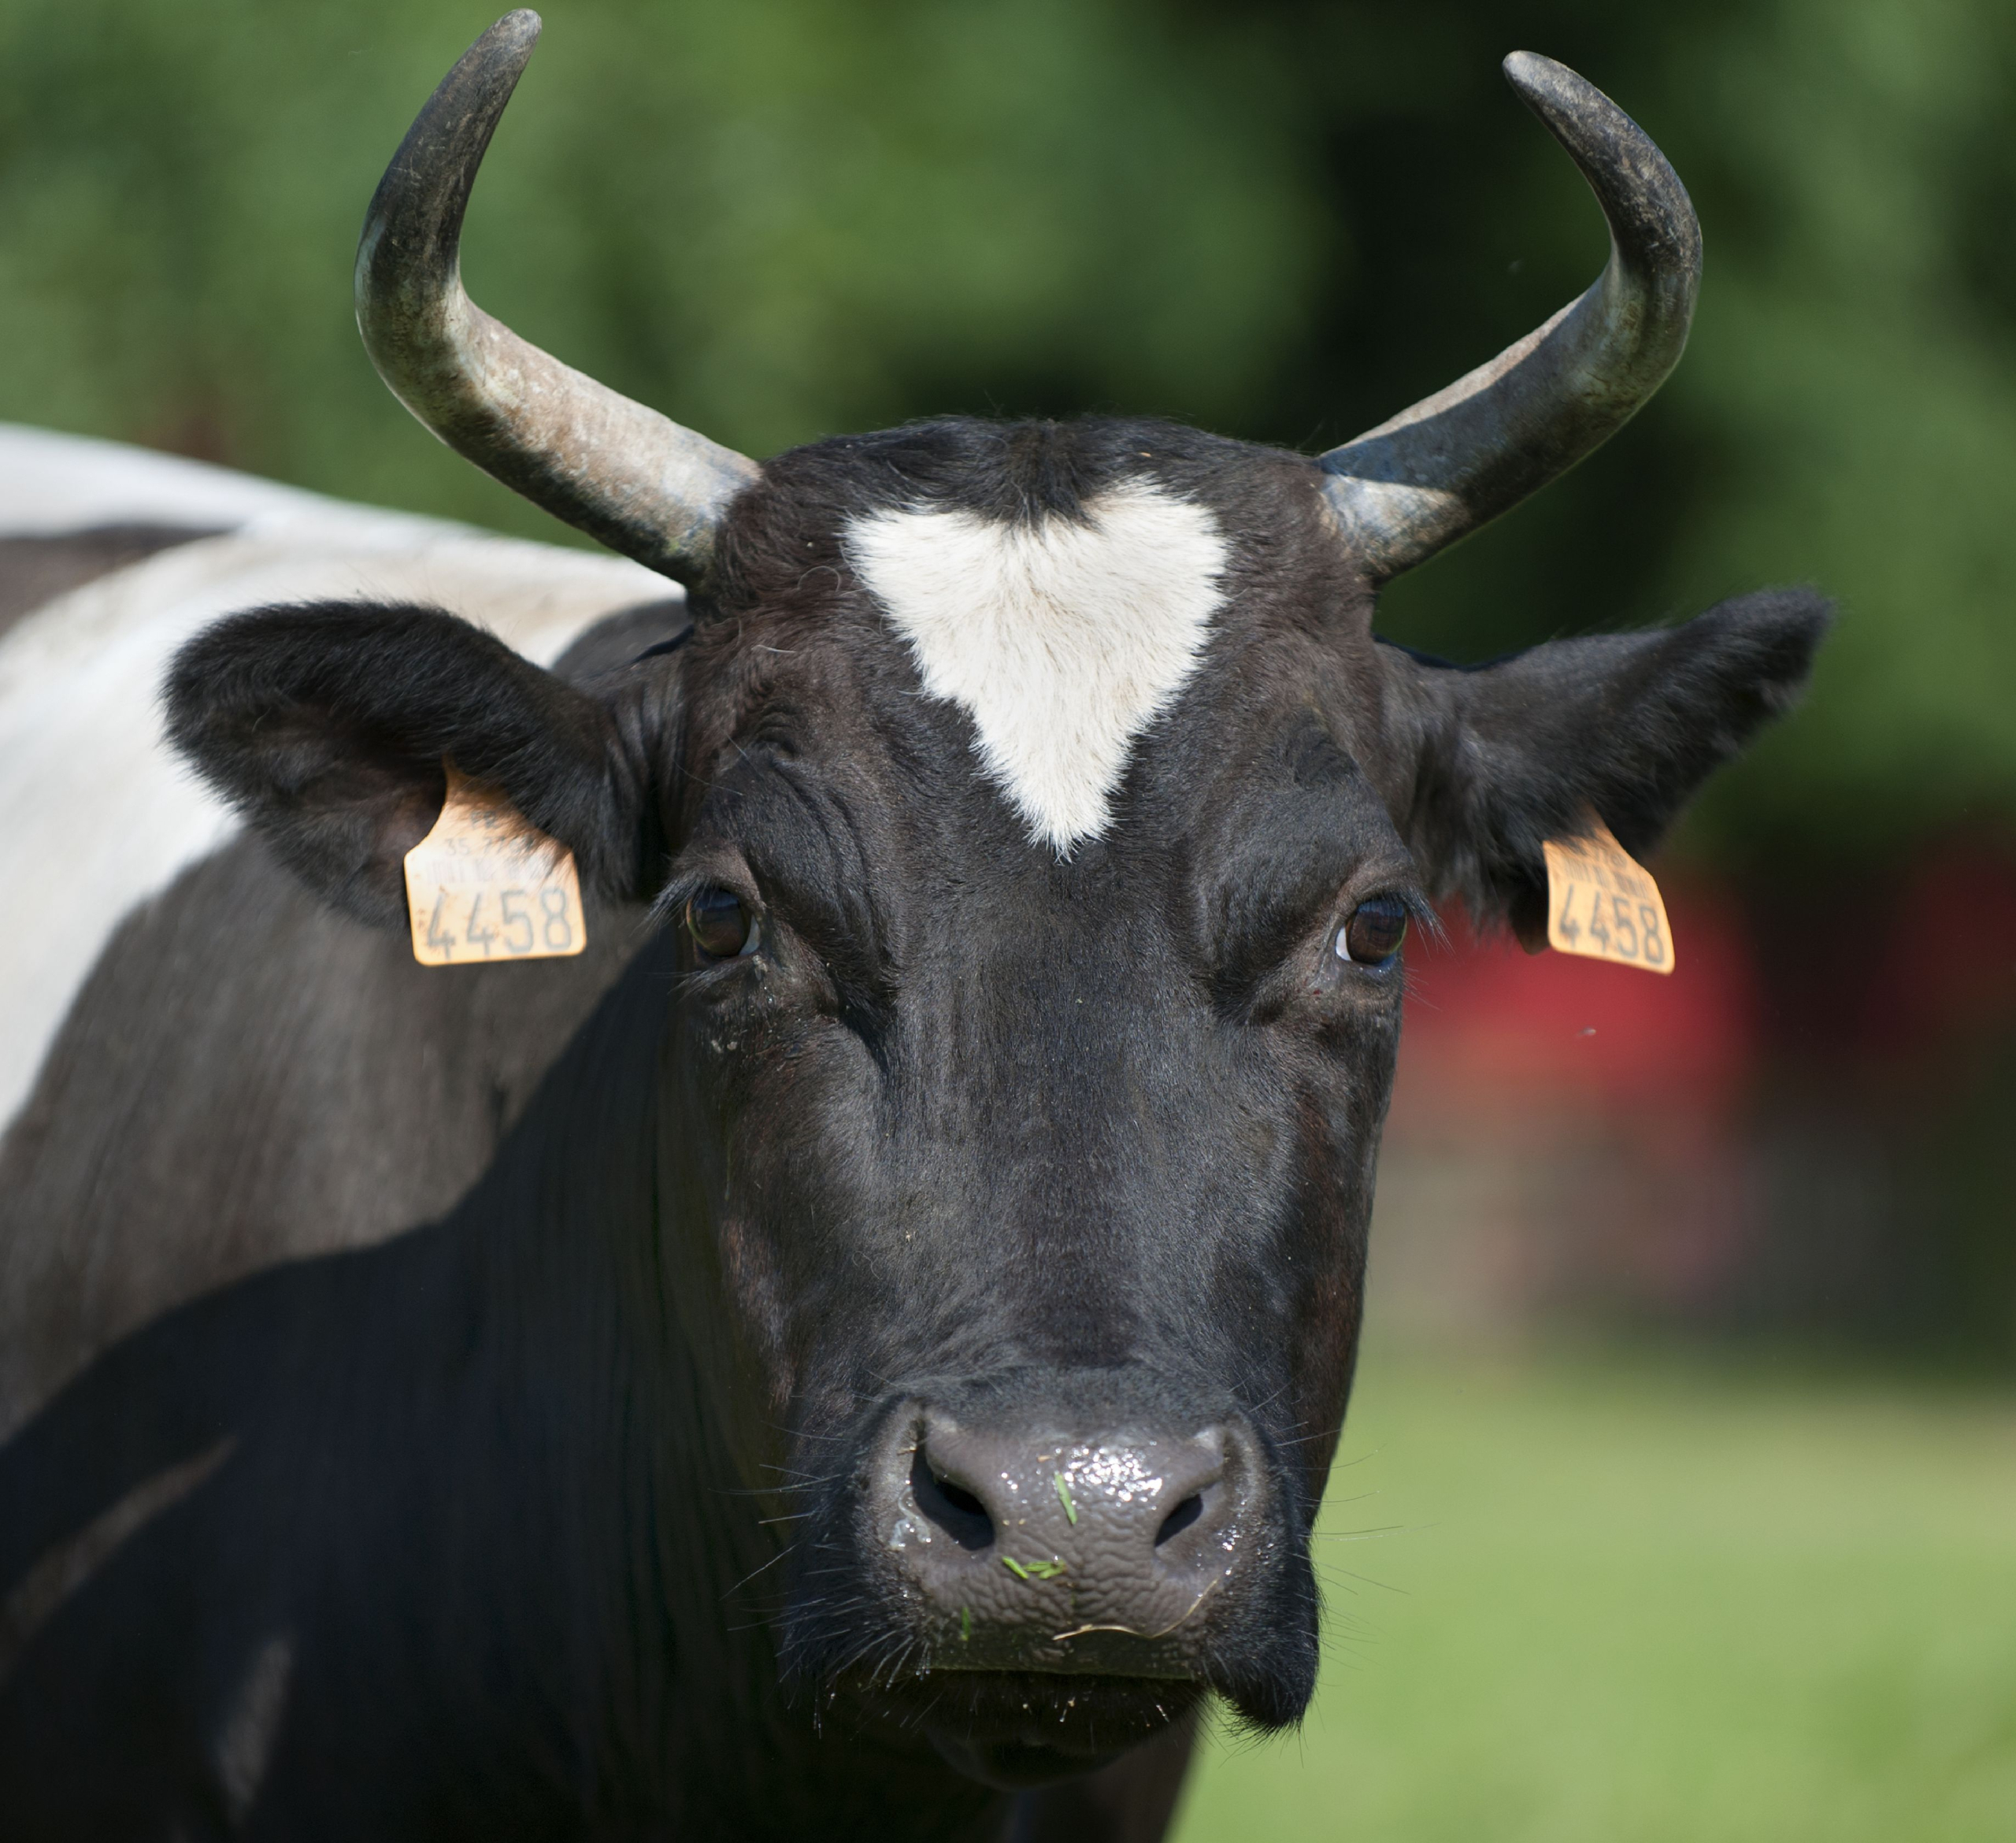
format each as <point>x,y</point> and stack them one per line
<point>1565,1133</point>
<point>1569,1135</point>
<point>1943,969</point>
<point>1492,1030</point>
<point>1893,983</point>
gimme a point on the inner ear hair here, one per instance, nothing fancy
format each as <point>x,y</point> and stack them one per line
<point>1623,726</point>
<point>326,726</point>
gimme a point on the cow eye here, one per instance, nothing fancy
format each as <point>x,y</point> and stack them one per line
<point>1373,932</point>
<point>719,924</point>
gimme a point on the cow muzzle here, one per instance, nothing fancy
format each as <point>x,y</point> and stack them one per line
<point>1067,1573</point>
<point>1068,1548</point>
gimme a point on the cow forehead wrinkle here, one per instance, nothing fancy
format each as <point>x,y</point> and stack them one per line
<point>796,832</point>
<point>1062,640</point>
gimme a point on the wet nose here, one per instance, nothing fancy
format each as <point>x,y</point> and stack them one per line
<point>1119,1499</point>
<point>1069,1549</point>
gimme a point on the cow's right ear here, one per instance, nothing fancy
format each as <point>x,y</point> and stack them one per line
<point>326,726</point>
<point>1625,726</point>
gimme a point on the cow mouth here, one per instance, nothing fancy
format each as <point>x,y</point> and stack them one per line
<point>1016,1728</point>
<point>1034,1602</point>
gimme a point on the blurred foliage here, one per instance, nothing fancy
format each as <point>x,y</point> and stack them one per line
<point>783,218</point>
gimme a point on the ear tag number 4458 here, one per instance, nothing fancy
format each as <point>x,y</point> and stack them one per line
<point>485,885</point>
<point>1603,903</point>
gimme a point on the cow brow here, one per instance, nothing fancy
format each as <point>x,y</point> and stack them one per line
<point>802,840</point>
<point>1264,905</point>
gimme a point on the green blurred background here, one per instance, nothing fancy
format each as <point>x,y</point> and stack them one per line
<point>1758,1584</point>
<point>778,219</point>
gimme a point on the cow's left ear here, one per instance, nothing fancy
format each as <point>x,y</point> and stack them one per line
<point>1509,754</point>
<point>326,726</point>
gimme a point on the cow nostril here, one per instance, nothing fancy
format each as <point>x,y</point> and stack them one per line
<point>959,1497</point>
<point>1181,1517</point>
<point>952,1507</point>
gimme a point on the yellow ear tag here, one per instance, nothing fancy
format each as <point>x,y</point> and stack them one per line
<point>485,885</point>
<point>1602,903</point>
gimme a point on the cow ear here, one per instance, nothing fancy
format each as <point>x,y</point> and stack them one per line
<point>326,726</point>
<point>1628,726</point>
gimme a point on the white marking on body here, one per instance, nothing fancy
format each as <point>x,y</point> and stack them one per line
<point>1062,640</point>
<point>246,1736</point>
<point>52,483</point>
<point>100,815</point>
<point>65,1566</point>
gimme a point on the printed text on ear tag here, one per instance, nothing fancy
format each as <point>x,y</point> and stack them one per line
<point>485,885</point>
<point>1602,903</point>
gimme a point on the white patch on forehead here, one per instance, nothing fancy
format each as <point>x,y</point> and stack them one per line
<point>1062,640</point>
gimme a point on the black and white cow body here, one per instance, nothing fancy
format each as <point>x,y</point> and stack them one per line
<point>162,934</point>
<point>883,1318</point>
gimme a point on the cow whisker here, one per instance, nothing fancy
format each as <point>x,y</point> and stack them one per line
<point>1080,1631</point>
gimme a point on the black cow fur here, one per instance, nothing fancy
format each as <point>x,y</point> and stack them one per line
<point>553,1512</point>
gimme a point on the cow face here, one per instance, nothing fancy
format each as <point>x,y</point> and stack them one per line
<point>1040,818</point>
<point>1022,827</point>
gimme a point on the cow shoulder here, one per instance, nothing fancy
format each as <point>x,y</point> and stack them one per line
<point>247,1077</point>
<point>36,568</point>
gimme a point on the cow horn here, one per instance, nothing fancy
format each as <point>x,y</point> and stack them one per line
<point>626,475</point>
<point>1435,472</point>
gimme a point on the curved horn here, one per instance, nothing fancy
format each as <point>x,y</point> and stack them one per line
<point>624,473</point>
<point>1436,472</point>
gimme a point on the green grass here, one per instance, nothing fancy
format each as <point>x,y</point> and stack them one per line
<point>1644,1602</point>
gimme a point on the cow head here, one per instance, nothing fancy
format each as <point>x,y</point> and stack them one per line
<point>1040,819</point>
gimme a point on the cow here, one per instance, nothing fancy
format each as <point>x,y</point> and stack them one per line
<point>858,1350</point>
